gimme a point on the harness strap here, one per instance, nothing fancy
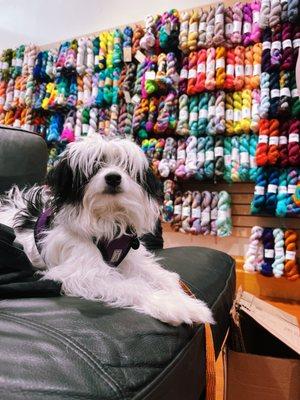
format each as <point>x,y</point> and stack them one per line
<point>210,354</point>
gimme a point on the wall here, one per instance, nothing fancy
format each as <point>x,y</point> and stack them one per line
<point>25,21</point>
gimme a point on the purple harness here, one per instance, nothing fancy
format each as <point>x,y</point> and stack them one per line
<point>113,252</point>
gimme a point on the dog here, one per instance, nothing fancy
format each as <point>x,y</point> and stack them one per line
<point>100,191</point>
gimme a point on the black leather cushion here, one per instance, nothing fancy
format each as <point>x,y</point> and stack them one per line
<point>23,158</point>
<point>68,348</point>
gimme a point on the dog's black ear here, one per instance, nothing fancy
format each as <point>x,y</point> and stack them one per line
<point>65,184</point>
<point>152,185</point>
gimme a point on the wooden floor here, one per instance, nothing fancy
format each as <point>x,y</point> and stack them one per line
<point>291,308</point>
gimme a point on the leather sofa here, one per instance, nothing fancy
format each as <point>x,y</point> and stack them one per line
<point>68,348</point>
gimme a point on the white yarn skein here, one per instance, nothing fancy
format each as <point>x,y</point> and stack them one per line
<point>251,261</point>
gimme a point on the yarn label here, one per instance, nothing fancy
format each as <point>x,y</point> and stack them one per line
<point>228,29</point>
<point>150,75</point>
<point>293,137</point>
<point>205,217</point>
<point>279,252</point>
<point>248,70</point>
<point>201,158</point>
<point>211,111</point>
<point>183,73</point>
<point>183,115</point>
<point>253,162</point>
<point>97,58</point>
<point>269,253</point>
<point>282,189</point>
<point>259,190</point>
<point>219,151</point>
<point>210,29</point>
<point>237,26</point>
<point>235,154</point>
<point>286,43</point>
<point>239,70</point>
<point>193,116</point>
<point>292,189</point>
<point>127,97</point>
<point>196,212</point>
<point>219,19</point>
<point>283,140</point>
<point>274,140</point>
<point>290,255</point>
<point>296,43</point>
<point>256,69</point>
<point>276,45</point>
<point>136,99</point>
<point>193,27</point>
<point>192,73</point>
<point>246,113</point>
<point>186,211</point>
<point>202,27</point>
<point>177,209</point>
<point>237,115</point>
<point>227,159</point>
<point>230,69</point>
<point>229,114</point>
<point>244,157</point>
<point>220,62</point>
<point>255,108</point>
<point>295,93</point>
<point>266,46</point>
<point>80,96</point>
<point>140,57</point>
<point>223,214</point>
<point>247,27</point>
<point>209,155</point>
<point>201,68</point>
<point>220,111</point>
<point>265,92</point>
<point>127,54</point>
<point>285,92</point>
<point>211,66</point>
<point>203,113</point>
<point>214,213</point>
<point>255,17</point>
<point>263,139</point>
<point>272,188</point>
<point>275,93</point>
<point>181,154</point>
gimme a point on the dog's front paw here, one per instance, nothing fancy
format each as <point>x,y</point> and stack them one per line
<point>176,309</point>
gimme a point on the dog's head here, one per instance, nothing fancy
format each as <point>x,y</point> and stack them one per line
<point>106,182</point>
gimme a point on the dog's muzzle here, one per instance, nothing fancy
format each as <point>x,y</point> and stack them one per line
<point>113,181</point>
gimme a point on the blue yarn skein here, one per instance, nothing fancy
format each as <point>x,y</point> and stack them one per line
<point>268,243</point>
<point>244,149</point>
<point>55,128</point>
<point>272,188</point>
<point>253,167</point>
<point>282,194</point>
<point>203,113</point>
<point>258,201</point>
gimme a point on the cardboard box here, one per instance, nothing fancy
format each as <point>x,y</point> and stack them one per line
<point>262,359</point>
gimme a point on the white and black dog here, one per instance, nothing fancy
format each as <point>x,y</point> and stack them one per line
<point>100,190</point>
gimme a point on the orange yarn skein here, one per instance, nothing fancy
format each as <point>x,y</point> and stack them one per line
<point>192,75</point>
<point>201,71</point>
<point>239,70</point>
<point>220,67</point>
<point>273,152</point>
<point>262,145</point>
<point>229,79</point>
<point>291,268</point>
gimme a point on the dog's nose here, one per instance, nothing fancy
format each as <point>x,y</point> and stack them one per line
<point>113,179</point>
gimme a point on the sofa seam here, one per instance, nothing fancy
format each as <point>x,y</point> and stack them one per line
<point>78,349</point>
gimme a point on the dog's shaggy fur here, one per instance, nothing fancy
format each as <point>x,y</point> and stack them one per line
<point>86,206</point>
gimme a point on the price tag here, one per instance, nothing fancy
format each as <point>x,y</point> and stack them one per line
<point>254,110</point>
<point>136,99</point>
<point>192,73</point>
<point>201,158</point>
<point>291,189</point>
<point>5,65</point>
<point>196,212</point>
<point>290,255</point>
<point>283,140</point>
<point>150,75</point>
<point>237,115</point>
<point>246,113</point>
<point>203,113</point>
<point>293,138</point>
<point>201,68</point>
<point>227,159</point>
<point>252,162</point>
<point>202,27</point>
<point>127,97</point>
<point>279,252</point>
<point>183,73</point>
<point>296,43</point>
<point>219,151</point>
<point>295,93</point>
<point>286,43</point>
<point>186,211</point>
<point>274,140</point>
<point>247,27</point>
<point>237,26</point>
<point>265,92</point>
<point>230,69</point>
<point>214,214</point>
<point>269,253</point>
<point>272,188</point>
<point>275,93</point>
<point>228,29</point>
<point>211,111</point>
<point>229,114</point>
<point>16,93</point>
<point>205,217</point>
<point>193,116</point>
<point>244,157</point>
<point>266,46</point>
<point>210,29</point>
<point>259,190</point>
<point>193,27</point>
<point>183,115</point>
<point>248,70</point>
<point>263,139</point>
<point>276,45</point>
<point>209,155</point>
<point>282,189</point>
<point>239,70</point>
<point>256,69</point>
<point>235,154</point>
<point>219,19</point>
<point>177,209</point>
<point>220,111</point>
<point>220,63</point>
<point>181,154</point>
<point>211,66</point>
<point>139,56</point>
<point>97,59</point>
<point>285,92</point>
<point>255,17</point>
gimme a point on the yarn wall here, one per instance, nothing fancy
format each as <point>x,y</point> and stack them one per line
<point>209,94</point>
